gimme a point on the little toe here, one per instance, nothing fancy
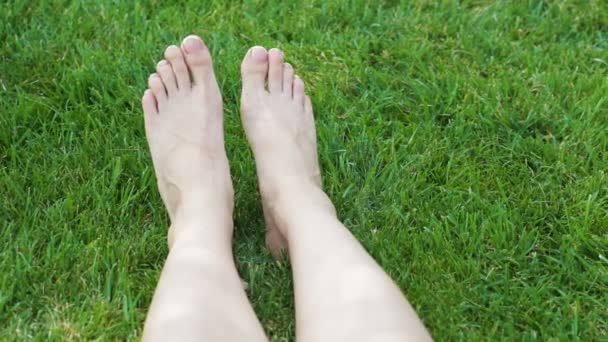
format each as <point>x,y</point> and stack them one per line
<point>148,103</point>
<point>288,74</point>
<point>158,88</point>
<point>254,69</point>
<point>309,117</point>
<point>174,56</point>
<point>198,59</point>
<point>308,106</point>
<point>298,90</point>
<point>275,70</point>
<point>163,69</point>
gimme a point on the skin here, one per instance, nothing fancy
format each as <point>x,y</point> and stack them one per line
<point>199,294</point>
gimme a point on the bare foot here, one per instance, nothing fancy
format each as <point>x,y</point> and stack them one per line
<point>184,127</point>
<point>279,123</point>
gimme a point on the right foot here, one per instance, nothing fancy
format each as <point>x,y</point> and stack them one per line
<point>279,123</point>
<point>184,127</point>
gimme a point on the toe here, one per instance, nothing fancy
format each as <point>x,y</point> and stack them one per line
<point>288,79</point>
<point>308,107</point>
<point>198,59</point>
<point>254,69</point>
<point>158,89</point>
<point>163,69</point>
<point>174,55</point>
<point>298,89</point>
<point>275,70</point>
<point>309,117</point>
<point>148,103</point>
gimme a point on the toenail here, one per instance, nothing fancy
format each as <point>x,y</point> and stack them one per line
<point>276,51</point>
<point>172,52</point>
<point>193,44</point>
<point>258,53</point>
<point>163,62</point>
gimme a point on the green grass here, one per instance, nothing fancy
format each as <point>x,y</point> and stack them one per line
<point>464,143</point>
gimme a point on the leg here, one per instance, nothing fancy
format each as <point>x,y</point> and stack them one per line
<point>341,292</point>
<point>199,295</point>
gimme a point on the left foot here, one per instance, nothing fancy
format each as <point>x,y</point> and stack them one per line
<point>279,123</point>
<point>184,127</point>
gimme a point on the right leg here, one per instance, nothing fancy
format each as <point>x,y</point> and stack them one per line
<point>341,292</point>
<point>199,296</point>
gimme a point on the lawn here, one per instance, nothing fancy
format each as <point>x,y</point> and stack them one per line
<point>463,142</point>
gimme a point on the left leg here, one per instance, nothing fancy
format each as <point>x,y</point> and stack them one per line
<point>199,295</point>
<point>341,293</point>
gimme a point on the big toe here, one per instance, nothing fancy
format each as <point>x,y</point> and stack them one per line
<point>254,69</point>
<point>198,59</point>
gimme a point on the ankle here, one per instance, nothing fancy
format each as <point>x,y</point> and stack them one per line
<point>203,208</point>
<point>193,209</point>
<point>202,224</point>
<point>204,198</point>
<point>297,202</point>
